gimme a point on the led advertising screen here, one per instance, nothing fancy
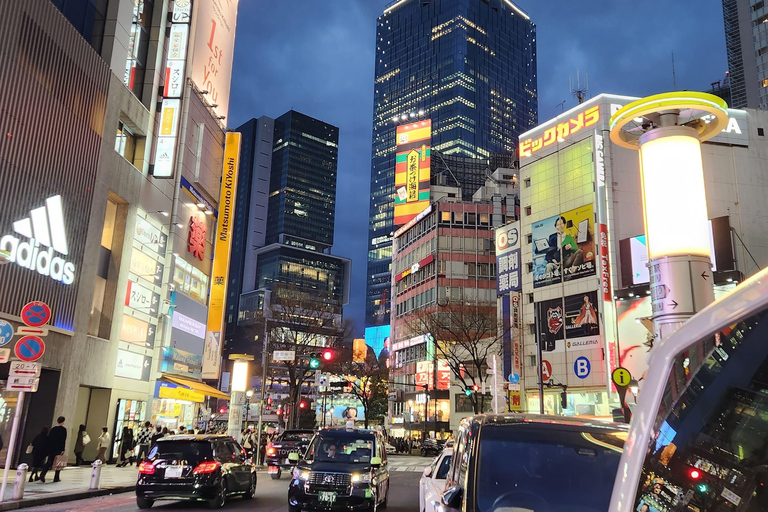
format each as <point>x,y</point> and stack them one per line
<point>412,170</point>
<point>564,244</point>
<point>378,339</point>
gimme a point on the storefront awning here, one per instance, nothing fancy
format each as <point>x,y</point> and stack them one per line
<point>204,389</point>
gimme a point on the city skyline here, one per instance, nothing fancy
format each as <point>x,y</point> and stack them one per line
<point>621,48</point>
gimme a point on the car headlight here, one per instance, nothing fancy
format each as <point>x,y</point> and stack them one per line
<point>300,475</point>
<point>361,478</point>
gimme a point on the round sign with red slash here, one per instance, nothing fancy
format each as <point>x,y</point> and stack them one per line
<point>29,348</point>
<point>36,314</point>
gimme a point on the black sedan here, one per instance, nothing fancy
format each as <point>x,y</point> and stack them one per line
<point>206,468</point>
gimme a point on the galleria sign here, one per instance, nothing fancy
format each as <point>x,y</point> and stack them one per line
<point>44,228</point>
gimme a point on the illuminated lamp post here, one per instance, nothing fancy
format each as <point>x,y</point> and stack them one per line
<point>668,130</point>
<point>238,385</point>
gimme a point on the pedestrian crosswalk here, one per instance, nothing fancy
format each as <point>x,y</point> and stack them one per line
<point>410,463</point>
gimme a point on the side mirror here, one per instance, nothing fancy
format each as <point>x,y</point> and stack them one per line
<point>293,458</point>
<point>428,471</point>
<point>452,496</point>
<point>376,462</point>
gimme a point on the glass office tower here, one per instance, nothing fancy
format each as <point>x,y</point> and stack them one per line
<point>470,67</point>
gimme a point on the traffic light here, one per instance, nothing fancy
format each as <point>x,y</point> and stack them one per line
<point>702,488</point>
<point>475,387</point>
<point>563,399</point>
<point>468,392</point>
<point>327,355</point>
<point>314,362</point>
<point>279,412</point>
<point>222,410</point>
<point>302,405</point>
<point>694,474</point>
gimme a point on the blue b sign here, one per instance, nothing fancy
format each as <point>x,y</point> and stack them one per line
<point>582,367</point>
<point>6,332</point>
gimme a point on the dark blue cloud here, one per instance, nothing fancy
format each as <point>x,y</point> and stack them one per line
<point>317,58</point>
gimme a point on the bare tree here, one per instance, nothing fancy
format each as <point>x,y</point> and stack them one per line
<point>305,323</point>
<point>464,336</point>
<point>369,385</point>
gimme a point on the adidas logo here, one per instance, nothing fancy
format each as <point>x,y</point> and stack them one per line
<point>44,228</point>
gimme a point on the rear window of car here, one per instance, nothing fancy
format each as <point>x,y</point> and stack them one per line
<point>546,469</point>
<point>303,437</point>
<point>182,450</point>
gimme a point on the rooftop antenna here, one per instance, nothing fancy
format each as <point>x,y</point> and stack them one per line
<point>580,91</point>
<point>674,80</point>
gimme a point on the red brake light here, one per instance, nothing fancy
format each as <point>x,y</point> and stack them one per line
<point>206,467</point>
<point>147,468</point>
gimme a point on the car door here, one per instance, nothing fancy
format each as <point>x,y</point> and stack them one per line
<point>437,481</point>
<point>224,455</point>
<point>241,465</point>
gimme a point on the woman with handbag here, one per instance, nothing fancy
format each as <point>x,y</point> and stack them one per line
<point>126,447</point>
<point>38,448</point>
<point>57,446</point>
<point>81,440</point>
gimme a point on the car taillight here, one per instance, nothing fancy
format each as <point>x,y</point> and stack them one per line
<point>206,467</point>
<point>147,468</point>
<point>270,450</point>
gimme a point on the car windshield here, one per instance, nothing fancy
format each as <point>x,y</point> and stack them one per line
<point>181,450</point>
<point>546,469</point>
<point>349,450</point>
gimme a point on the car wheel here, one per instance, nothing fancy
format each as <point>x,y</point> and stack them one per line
<point>276,476</point>
<point>143,503</point>
<point>221,495</point>
<point>251,489</point>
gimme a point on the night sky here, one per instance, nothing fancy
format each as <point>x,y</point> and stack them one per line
<point>317,57</point>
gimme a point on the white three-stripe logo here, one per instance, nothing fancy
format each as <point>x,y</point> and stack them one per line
<point>46,225</point>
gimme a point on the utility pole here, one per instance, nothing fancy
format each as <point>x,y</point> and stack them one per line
<point>267,313</point>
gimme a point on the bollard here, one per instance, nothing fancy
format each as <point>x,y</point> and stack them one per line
<point>21,481</point>
<point>96,475</point>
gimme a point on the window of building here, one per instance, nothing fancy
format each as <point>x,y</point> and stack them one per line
<point>88,17</point>
<point>471,219</point>
<point>190,280</point>
<point>484,219</point>
<point>445,217</point>
<point>528,210</point>
<point>760,132</point>
<point>136,61</point>
<point>527,182</point>
<point>529,267</point>
<point>530,298</point>
<point>105,282</point>
<point>529,237</point>
<point>125,142</point>
<point>458,218</point>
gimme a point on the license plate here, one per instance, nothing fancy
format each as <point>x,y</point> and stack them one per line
<point>173,471</point>
<point>329,497</point>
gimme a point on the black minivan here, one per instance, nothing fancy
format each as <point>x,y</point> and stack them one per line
<point>199,467</point>
<point>533,462</point>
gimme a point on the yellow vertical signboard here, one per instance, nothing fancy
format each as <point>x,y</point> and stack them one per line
<point>221,253</point>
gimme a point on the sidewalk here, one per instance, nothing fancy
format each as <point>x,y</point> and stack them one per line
<point>73,486</point>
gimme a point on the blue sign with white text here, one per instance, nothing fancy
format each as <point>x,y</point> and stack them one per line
<point>582,367</point>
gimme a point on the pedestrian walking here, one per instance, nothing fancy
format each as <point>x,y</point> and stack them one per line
<point>103,445</point>
<point>126,447</point>
<point>39,453</point>
<point>81,440</point>
<point>144,439</point>
<point>57,445</point>
<point>157,434</point>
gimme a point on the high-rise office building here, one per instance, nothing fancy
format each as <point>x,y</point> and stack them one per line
<point>746,44</point>
<point>283,229</point>
<point>469,66</point>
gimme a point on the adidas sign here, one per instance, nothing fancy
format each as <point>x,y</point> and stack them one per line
<point>45,229</point>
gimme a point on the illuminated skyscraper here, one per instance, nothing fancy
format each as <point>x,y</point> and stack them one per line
<point>746,44</point>
<point>470,67</point>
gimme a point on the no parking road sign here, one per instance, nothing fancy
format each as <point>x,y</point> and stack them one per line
<point>29,348</point>
<point>36,314</point>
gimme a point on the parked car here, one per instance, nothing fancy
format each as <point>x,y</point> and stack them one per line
<point>432,483</point>
<point>533,462</point>
<point>199,468</point>
<point>290,441</point>
<point>698,440</point>
<point>344,470</point>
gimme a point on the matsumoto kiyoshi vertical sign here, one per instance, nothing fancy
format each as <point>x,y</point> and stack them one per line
<point>508,258</point>
<point>219,273</point>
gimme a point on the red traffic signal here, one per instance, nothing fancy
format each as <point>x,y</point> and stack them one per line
<point>269,400</point>
<point>302,404</point>
<point>222,410</point>
<point>695,474</point>
<point>279,412</point>
<point>327,355</point>
<point>475,388</point>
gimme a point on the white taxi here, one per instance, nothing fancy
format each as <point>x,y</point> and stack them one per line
<point>432,483</point>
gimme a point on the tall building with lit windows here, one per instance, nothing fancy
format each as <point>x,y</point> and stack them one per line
<point>746,45</point>
<point>469,66</point>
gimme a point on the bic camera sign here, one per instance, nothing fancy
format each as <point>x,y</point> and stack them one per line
<point>43,243</point>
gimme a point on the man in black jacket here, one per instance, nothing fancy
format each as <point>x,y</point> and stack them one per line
<point>57,443</point>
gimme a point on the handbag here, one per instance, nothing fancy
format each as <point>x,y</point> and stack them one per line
<point>59,462</point>
<point>29,448</point>
<point>86,438</point>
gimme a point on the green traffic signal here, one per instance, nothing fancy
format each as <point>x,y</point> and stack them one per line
<point>314,363</point>
<point>468,392</point>
<point>703,487</point>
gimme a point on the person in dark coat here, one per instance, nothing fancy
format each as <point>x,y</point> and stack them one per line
<point>79,445</point>
<point>57,445</point>
<point>126,447</point>
<point>39,453</point>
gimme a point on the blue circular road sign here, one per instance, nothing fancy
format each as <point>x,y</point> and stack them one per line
<point>6,333</point>
<point>514,378</point>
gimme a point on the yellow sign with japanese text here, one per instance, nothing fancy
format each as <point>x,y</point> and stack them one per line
<point>221,254</point>
<point>560,131</point>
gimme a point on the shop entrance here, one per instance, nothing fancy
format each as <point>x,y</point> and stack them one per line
<point>130,413</point>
